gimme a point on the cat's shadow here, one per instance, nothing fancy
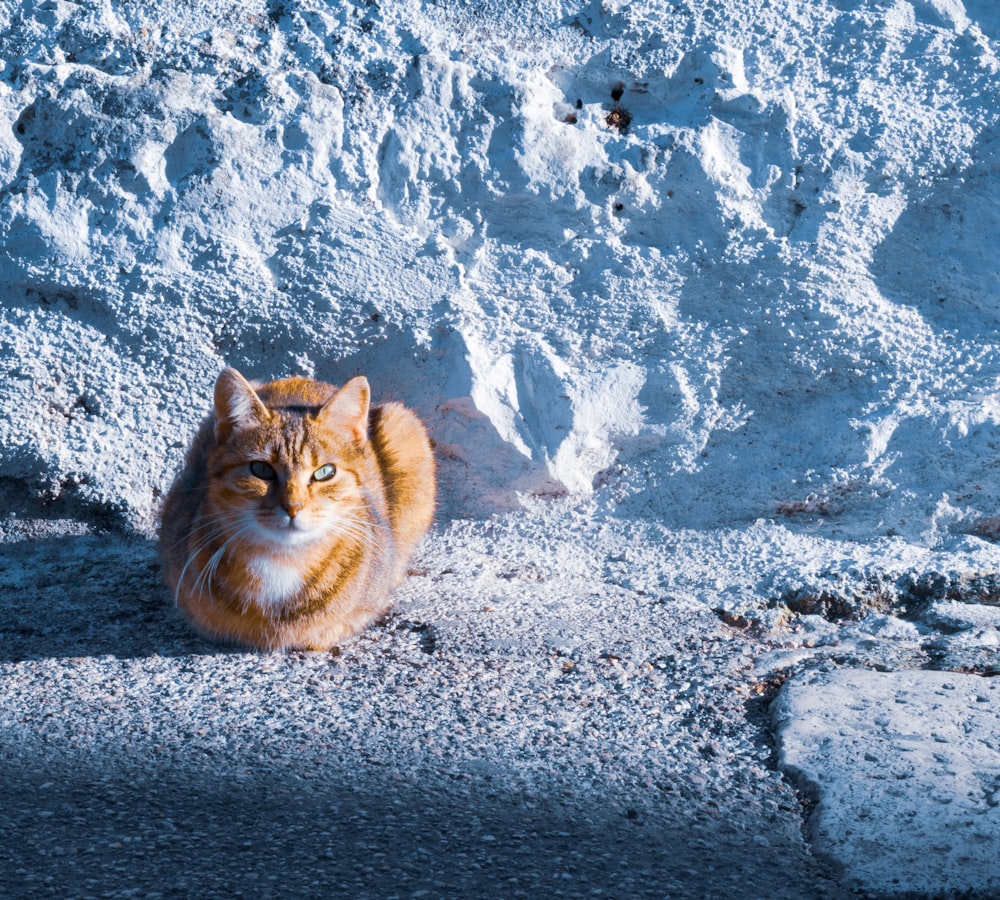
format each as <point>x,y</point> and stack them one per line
<point>86,596</point>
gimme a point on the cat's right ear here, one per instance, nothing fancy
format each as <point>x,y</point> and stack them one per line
<point>237,405</point>
<point>348,409</point>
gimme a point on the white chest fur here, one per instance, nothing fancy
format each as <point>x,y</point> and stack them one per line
<point>274,582</point>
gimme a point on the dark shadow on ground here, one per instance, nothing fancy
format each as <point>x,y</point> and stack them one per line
<point>156,831</point>
<point>88,595</point>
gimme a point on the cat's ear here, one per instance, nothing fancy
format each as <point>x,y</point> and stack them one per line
<point>348,409</point>
<point>237,405</point>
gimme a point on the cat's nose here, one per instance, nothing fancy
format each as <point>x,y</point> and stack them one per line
<point>293,509</point>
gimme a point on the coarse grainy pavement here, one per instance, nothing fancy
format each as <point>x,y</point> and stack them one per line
<point>454,750</point>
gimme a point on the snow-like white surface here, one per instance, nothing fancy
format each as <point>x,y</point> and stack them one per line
<point>774,292</point>
<point>920,747</point>
<point>745,348</point>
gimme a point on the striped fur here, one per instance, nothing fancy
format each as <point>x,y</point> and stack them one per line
<point>262,545</point>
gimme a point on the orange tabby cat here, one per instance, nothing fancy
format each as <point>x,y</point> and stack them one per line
<point>296,513</point>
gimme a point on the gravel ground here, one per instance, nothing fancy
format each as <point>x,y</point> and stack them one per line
<point>564,738</point>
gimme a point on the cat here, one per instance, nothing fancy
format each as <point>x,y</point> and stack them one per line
<point>296,513</point>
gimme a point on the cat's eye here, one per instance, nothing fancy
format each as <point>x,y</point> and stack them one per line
<point>324,473</point>
<point>262,470</point>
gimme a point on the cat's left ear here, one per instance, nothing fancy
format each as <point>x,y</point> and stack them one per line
<point>237,405</point>
<point>348,409</point>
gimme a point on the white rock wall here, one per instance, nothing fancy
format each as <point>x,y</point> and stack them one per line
<point>773,293</point>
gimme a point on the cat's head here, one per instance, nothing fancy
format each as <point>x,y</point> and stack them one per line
<point>288,462</point>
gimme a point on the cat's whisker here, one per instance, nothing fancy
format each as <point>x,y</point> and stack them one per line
<point>207,522</point>
<point>204,580</point>
<point>355,513</point>
<point>210,531</point>
<point>360,529</point>
<point>192,556</point>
